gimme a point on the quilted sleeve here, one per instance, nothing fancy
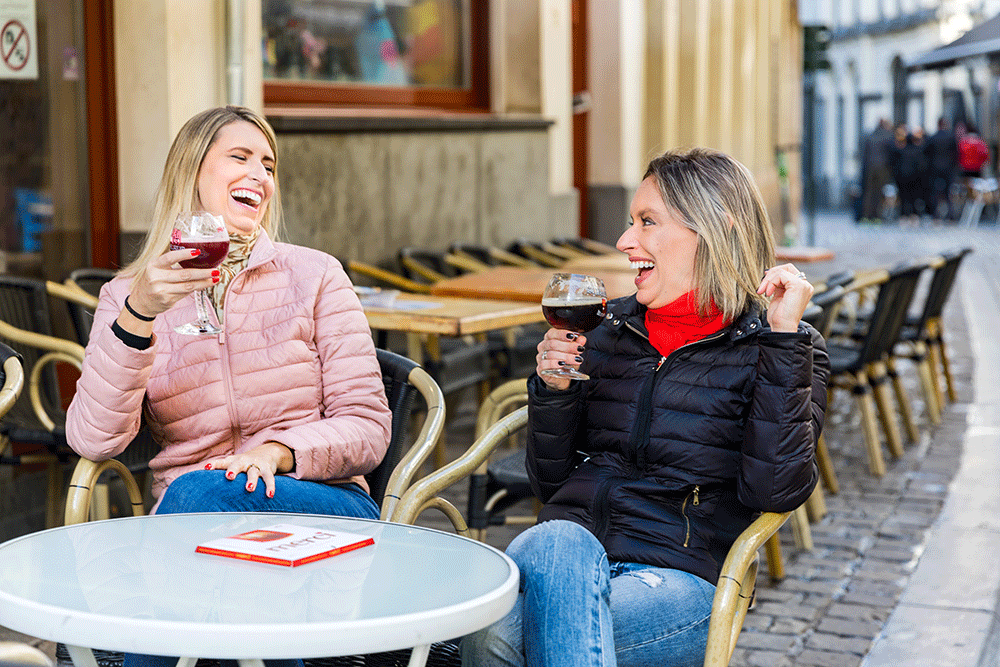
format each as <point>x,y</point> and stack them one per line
<point>554,420</point>
<point>106,410</point>
<point>778,464</point>
<point>353,434</point>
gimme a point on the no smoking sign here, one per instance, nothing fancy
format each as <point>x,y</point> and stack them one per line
<point>18,40</point>
<point>15,45</point>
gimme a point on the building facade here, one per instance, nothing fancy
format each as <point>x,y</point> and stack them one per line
<point>873,43</point>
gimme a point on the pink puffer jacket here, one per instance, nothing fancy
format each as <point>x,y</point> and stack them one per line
<point>296,365</point>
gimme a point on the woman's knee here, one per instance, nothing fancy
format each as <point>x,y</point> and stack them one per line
<point>195,491</point>
<point>560,544</point>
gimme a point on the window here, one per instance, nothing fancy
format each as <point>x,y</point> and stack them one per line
<point>375,52</point>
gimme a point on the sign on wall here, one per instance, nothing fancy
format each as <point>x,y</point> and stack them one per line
<point>18,40</point>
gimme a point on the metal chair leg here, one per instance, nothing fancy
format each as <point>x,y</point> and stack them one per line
<point>903,401</point>
<point>775,563</point>
<point>927,382</point>
<point>887,414</point>
<point>946,365</point>
<point>816,504</point>
<point>800,529</point>
<point>863,395</point>
<point>826,470</point>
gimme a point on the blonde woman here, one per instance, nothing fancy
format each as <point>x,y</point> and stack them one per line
<point>283,411</point>
<point>705,399</point>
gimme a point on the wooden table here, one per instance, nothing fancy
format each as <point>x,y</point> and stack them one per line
<point>450,316</point>
<point>517,284</point>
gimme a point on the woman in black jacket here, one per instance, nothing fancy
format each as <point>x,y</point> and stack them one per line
<point>705,399</point>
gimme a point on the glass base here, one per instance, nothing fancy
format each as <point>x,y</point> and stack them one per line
<point>198,329</point>
<point>565,372</point>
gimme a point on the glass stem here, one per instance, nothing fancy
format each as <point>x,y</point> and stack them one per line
<point>202,304</point>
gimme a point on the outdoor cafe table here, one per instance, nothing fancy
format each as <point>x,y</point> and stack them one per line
<point>523,284</point>
<point>136,585</point>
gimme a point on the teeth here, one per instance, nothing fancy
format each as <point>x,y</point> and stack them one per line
<point>644,264</point>
<point>246,194</point>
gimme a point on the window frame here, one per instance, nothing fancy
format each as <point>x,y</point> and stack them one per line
<point>318,94</point>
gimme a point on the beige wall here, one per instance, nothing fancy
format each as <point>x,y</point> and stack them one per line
<point>721,73</point>
<point>170,64</point>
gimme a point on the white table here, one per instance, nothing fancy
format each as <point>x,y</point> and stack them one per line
<point>137,585</point>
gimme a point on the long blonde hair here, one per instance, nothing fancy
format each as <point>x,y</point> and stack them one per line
<point>716,197</point>
<point>178,190</point>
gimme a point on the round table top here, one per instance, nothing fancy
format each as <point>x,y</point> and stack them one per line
<point>137,585</point>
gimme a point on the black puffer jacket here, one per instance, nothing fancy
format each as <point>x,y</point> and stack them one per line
<point>666,461</point>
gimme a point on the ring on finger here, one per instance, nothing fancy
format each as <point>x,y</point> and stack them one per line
<point>801,275</point>
<point>545,355</point>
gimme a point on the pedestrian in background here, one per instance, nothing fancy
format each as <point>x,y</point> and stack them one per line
<point>875,170</point>
<point>909,169</point>
<point>942,153</point>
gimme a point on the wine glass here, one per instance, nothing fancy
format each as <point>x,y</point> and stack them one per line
<point>573,302</point>
<point>199,230</point>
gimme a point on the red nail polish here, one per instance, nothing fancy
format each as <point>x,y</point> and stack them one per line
<point>230,475</point>
<point>215,273</point>
<point>216,279</point>
<point>195,252</point>
<point>250,488</point>
<point>270,494</point>
<point>208,466</point>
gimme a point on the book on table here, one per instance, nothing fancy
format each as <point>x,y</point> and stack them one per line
<point>285,544</point>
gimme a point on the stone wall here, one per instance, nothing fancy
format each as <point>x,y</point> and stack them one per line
<point>364,195</point>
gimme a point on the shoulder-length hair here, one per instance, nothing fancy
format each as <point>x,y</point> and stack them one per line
<point>716,197</point>
<point>178,190</point>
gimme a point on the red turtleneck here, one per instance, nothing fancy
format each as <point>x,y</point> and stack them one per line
<point>678,323</point>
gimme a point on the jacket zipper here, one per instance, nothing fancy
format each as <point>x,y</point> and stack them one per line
<point>227,375</point>
<point>693,496</point>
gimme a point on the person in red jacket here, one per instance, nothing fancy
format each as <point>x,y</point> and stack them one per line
<point>972,153</point>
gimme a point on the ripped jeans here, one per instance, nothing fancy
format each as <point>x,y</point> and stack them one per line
<point>575,609</point>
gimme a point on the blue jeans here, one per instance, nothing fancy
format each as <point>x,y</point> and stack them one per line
<point>210,491</point>
<point>576,609</point>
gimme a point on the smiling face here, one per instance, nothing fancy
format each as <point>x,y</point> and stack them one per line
<point>236,179</point>
<point>660,247</point>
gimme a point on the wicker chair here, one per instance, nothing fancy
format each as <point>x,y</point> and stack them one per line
<point>35,422</point>
<point>860,366</point>
<point>733,592</point>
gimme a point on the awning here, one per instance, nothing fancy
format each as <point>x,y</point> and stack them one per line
<point>984,39</point>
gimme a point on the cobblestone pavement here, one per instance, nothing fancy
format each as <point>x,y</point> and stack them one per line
<point>831,607</point>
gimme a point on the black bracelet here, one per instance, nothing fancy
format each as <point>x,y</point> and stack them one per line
<point>144,318</point>
<point>130,339</point>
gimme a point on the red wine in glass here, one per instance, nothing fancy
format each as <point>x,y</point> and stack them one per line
<point>579,316</point>
<point>202,231</point>
<point>573,302</point>
<point>212,253</point>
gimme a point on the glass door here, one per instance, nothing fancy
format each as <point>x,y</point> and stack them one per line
<point>44,189</point>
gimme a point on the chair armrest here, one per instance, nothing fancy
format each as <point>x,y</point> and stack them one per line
<point>735,586</point>
<point>423,493</point>
<point>424,444</point>
<point>57,349</point>
<point>465,262</point>
<point>511,259</point>
<point>70,291</point>
<point>81,486</point>
<point>389,277</point>
<point>13,384</point>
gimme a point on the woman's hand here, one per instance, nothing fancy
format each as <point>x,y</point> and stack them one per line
<point>559,348</point>
<point>163,282</point>
<point>261,462</point>
<point>790,293</point>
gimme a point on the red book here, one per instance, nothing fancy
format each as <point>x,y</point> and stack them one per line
<point>285,544</point>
